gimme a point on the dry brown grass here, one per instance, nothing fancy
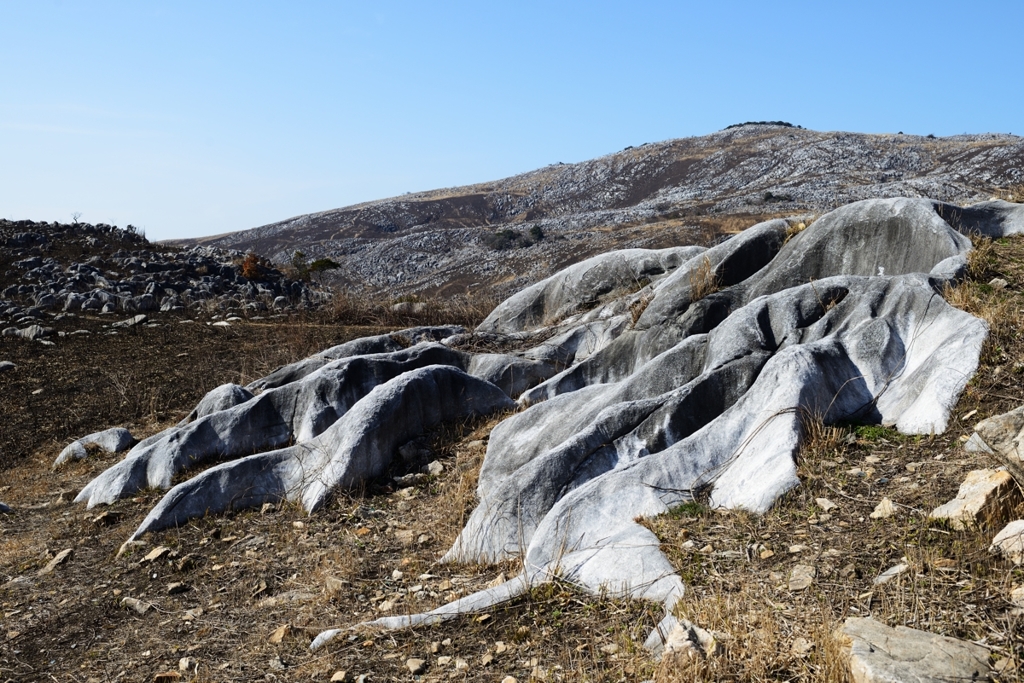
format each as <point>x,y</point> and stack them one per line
<point>703,280</point>
<point>350,307</point>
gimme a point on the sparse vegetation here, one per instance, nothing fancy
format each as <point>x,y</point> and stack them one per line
<point>703,280</point>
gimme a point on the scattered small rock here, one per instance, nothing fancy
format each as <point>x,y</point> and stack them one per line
<point>825,504</point>
<point>801,577</point>
<point>177,588</point>
<point>1010,542</point>
<point>416,666</point>
<point>883,510</point>
<point>280,633</point>
<point>58,559</point>
<point>340,677</point>
<point>891,573</point>
<point>135,604</point>
<point>985,498</point>
<point>156,553</point>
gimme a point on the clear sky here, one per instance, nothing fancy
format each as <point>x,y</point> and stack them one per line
<point>196,118</point>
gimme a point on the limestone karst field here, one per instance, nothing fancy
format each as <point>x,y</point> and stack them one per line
<point>696,462</point>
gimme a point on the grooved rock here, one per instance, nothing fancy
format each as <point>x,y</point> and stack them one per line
<point>648,379</point>
<point>880,654</point>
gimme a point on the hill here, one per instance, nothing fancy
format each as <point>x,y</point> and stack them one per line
<point>512,232</point>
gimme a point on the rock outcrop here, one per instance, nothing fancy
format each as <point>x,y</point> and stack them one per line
<point>643,381</point>
<point>47,275</point>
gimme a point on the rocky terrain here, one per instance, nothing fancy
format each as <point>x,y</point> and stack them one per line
<point>52,269</point>
<point>510,233</point>
<point>767,439</point>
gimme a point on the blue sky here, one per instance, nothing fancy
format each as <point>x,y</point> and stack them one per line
<point>200,118</point>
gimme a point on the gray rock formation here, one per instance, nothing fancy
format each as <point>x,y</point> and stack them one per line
<point>112,440</point>
<point>690,374</point>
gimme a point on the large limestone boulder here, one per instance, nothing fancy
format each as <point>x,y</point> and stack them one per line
<point>880,654</point>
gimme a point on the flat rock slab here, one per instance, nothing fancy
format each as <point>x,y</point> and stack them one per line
<point>986,498</point>
<point>880,654</point>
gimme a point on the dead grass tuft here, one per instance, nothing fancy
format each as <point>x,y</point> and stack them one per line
<point>703,280</point>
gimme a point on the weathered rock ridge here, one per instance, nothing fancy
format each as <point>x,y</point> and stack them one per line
<point>642,380</point>
<point>654,195</point>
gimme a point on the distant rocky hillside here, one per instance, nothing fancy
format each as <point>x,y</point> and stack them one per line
<point>512,232</point>
<point>81,269</point>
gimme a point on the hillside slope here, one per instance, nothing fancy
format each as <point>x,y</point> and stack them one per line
<point>659,194</point>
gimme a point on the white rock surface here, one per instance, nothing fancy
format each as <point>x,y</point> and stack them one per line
<point>986,498</point>
<point>1010,542</point>
<point>112,440</point>
<point>880,654</point>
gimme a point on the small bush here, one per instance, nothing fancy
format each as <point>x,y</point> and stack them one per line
<point>251,267</point>
<point>502,240</point>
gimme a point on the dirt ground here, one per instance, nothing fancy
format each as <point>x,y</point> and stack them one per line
<point>239,597</point>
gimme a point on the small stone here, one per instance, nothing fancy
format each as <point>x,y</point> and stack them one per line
<point>405,536</point>
<point>883,510</point>
<point>1010,542</point>
<point>825,504</point>
<point>107,518</point>
<point>986,498</point>
<point>891,573</point>
<point>610,649</point>
<point>998,283</point>
<point>461,664</point>
<point>177,587</point>
<point>187,563</point>
<point>444,660</point>
<point>486,659</point>
<point>801,577</point>
<point>397,575</point>
<point>187,664</point>
<point>58,559</point>
<point>1017,596</point>
<point>767,553</point>
<point>280,633</point>
<point>802,647</point>
<point>386,605</point>
<point>500,648</point>
<point>334,585</point>
<point>435,468</point>
<point>416,666</point>
<point>798,548</point>
<point>340,677</point>
<point>167,677</point>
<point>277,664</point>
<point>483,618</point>
<point>192,614</point>
<point>509,679</point>
<point>156,553</point>
<point>135,604</point>
<point>435,647</point>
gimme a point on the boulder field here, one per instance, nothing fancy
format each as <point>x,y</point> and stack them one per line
<point>640,380</point>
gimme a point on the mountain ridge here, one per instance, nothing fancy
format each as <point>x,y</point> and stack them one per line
<point>685,190</point>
